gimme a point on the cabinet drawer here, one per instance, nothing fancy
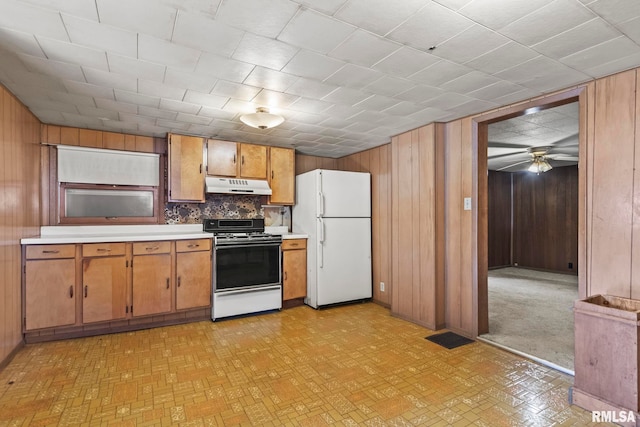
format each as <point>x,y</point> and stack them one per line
<point>193,245</point>
<point>51,251</point>
<point>102,249</point>
<point>288,244</point>
<point>147,248</point>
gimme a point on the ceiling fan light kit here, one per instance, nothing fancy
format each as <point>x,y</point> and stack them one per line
<point>262,119</point>
<point>539,164</point>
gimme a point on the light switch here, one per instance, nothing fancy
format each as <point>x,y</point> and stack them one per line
<point>467,203</point>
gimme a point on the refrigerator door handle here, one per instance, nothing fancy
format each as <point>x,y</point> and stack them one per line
<point>320,242</point>
<point>321,234</point>
<point>320,203</point>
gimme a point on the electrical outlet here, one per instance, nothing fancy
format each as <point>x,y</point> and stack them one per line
<point>381,286</point>
<point>467,203</point>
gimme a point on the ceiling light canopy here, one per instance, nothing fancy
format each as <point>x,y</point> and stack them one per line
<point>262,119</point>
<point>539,164</point>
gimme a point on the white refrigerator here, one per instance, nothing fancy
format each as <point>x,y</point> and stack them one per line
<point>334,209</point>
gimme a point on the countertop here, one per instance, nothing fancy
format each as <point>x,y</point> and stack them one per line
<point>116,233</point>
<point>130,233</point>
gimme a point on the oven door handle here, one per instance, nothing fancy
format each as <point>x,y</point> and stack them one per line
<point>232,246</point>
<point>248,290</point>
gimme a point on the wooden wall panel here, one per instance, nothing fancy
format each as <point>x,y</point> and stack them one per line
<point>306,163</point>
<point>417,246</point>
<point>19,209</point>
<point>635,254</point>
<point>545,220</point>
<point>55,135</point>
<point>613,169</point>
<point>499,199</point>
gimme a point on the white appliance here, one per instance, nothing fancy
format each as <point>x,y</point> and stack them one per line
<point>334,209</point>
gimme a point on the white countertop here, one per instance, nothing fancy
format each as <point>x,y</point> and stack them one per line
<point>116,233</point>
<point>131,233</point>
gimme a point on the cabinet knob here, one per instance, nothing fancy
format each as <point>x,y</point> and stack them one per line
<point>103,250</point>
<point>86,289</point>
<point>285,275</point>
<point>193,245</point>
<point>50,252</point>
<point>271,174</point>
<point>71,291</point>
<point>178,281</point>
<point>243,160</point>
<point>167,283</point>
<point>152,248</point>
<point>234,159</point>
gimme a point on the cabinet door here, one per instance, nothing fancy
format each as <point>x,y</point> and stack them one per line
<point>294,267</point>
<point>50,287</point>
<point>151,284</point>
<point>193,286</point>
<point>186,172</point>
<point>104,289</point>
<point>222,158</point>
<point>253,161</point>
<point>282,175</point>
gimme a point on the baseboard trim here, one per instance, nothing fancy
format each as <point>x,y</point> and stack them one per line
<point>5,362</point>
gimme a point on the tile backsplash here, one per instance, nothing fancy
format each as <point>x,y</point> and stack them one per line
<point>227,206</point>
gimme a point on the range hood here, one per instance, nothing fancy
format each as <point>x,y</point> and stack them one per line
<point>237,186</point>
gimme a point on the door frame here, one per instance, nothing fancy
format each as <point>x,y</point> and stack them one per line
<point>480,125</point>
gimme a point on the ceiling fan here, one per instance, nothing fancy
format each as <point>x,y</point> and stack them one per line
<point>536,159</point>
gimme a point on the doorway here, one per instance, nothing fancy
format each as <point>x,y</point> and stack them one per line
<point>511,158</point>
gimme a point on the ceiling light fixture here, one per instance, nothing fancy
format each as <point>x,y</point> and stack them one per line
<point>262,119</point>
<point>540,164</point>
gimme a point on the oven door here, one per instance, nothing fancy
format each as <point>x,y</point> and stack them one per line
<point>240,266</point>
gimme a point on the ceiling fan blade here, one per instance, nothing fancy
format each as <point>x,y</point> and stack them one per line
<point>512,165</point>
<point>564,158</point>
<point>505,145</point>
<point>567,141</point>
<point>500,156</point>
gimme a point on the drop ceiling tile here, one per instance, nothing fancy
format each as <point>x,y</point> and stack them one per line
<point>312,65</point>
<point>136,98</point>
<point>17,41</point>
<point>135,67</point>
<point>439,73</point>
<point>207,7</point>
<point>48,116</point>
<point>217,113</point>
<point>496,14</point>
<point>141,16</point>
<point>309,88</point>
<point>257,16</point>
<point>71,98</point>
<point>236,106</point>
<point>403,108</point>
<point>85,9</point>
<point>62,70</point>
<point>73,54</point>
<point>88,89</point>
<point>199,82</point>
<point>364,48</point>
<point>305,28</point>
<point>631,29</point>
<point>264,51</point>
<point>578,38</point>
<point>20,16</point>
<point>346,96</point>
<point>164,52</point>
<point>614,66</point>
<point>377,103</point>
<point>101,36</point>
<point>502,58</point>
<point>270,79</point>
<point>302,117</point>
<point>191,118</point>
<point>378,16</point>
<point>469,82</point>
<point>389,86</point>
<point>405,61</point>
<point>340,111</point>
<point>235,90</point>
<point>179,106</point>
<point>110,80</point>
<point>46,104</point>
<point>98,112</point>
<point>443,24</point>
<point>80,121</point>
<point>548,21</point>
<point>374,117</point>
<point>173,125</point>
<point>474,107</point>
<point>558,77</point>
<point>496,91</point>
<point>211,65</point>
<point>616,11</point>
<point>602,53</point>
<point>307,105</point>
<point>353,76</point>
<point>155,89</point>
<point>280,133</point>
<point>447,101</point>
<point>420,94</point>
<point>205,99</point>
<point>453,4</point>
<point>269,98</point>
<point>110,104</point>
<point>326,6</point>
<point>202,32</point>
<point>359,126</point>
<point>469,44</point>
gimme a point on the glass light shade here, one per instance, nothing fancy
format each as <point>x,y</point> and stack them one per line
<point>539,164</point>
<point>261,119</point>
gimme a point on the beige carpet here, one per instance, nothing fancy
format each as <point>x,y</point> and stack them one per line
<point>532,312</point>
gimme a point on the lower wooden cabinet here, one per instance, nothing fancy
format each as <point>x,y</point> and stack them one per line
<point>193,273</point>
<point>49,297</point>
<point>294,269</point>
<point>104,289</point>
<point>151,278</point>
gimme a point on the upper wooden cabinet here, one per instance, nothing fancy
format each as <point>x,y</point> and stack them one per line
<point>186,168</point>
<point>237,160</point>
<point>222,158</point>
<point>282,175</point>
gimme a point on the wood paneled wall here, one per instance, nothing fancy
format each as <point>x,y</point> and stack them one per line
<point>377,162</point>
<point>545,220</point>
<point>19,209</point>
<point>55,135</point>
<point>499,233</point>
<point>417,226</point>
